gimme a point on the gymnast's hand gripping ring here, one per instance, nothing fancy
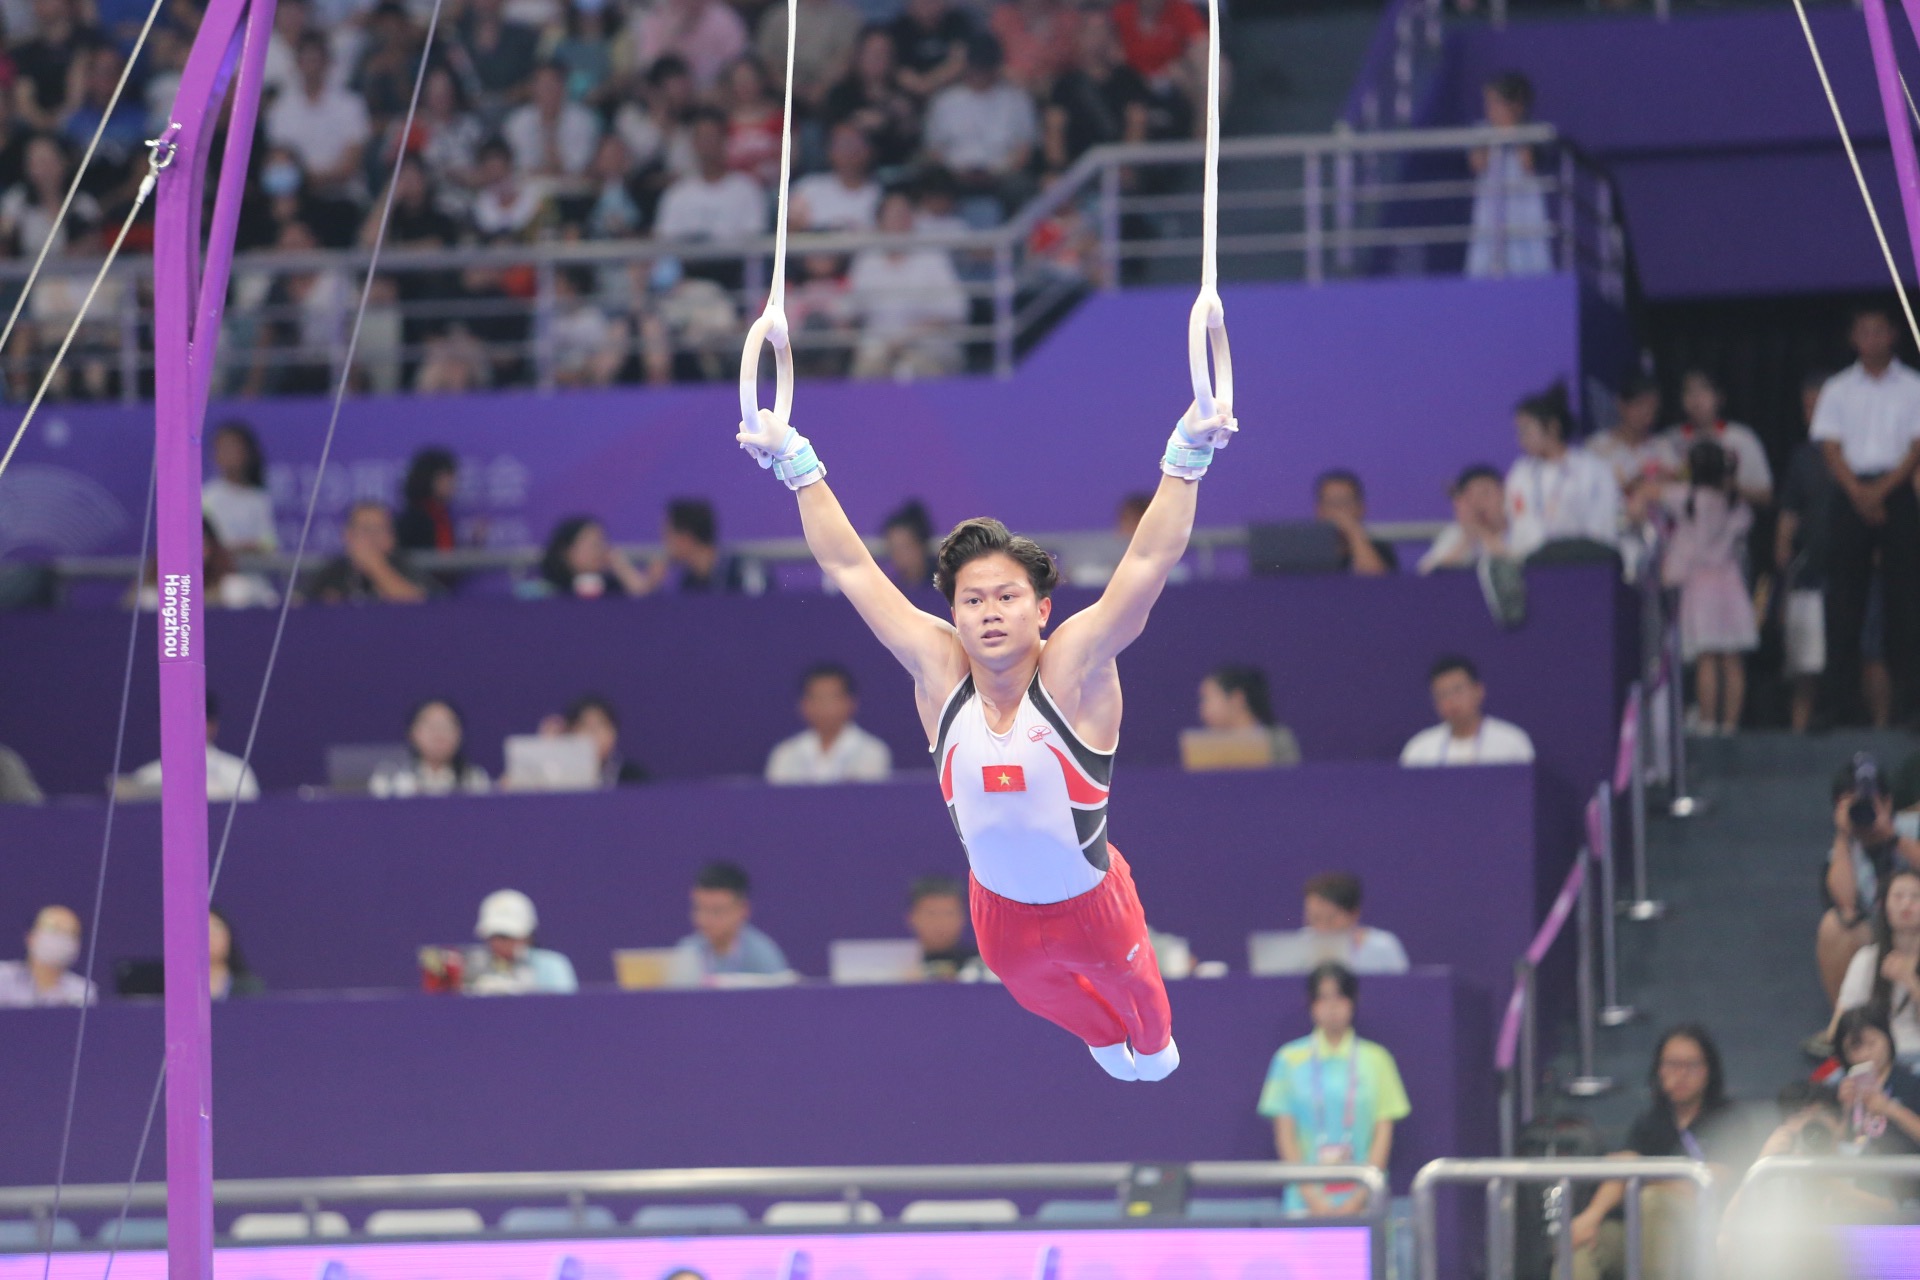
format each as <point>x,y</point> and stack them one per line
<point>1207,328</point>
<point>771,327</point>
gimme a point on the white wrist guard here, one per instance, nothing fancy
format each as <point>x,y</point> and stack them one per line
<point>795,463</point>
<point>1185,458</point>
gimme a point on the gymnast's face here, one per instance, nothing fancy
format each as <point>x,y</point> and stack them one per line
<point>997,613</point>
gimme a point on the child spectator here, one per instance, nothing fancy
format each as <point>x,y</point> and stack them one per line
<point>1702,559</point>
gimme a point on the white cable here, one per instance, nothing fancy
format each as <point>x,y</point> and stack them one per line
<point>1210,195</point>
<point>777,291</point>
<point>1846,140</point>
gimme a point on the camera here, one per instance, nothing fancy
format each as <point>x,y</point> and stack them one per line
<point>1863,810</point>
<point>1816,1137</point>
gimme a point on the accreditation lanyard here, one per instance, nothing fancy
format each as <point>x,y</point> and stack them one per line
<point>1694,1150</point>
<point>1320,1092</point>
<point>1446,748</point>
<point>1546,503</point>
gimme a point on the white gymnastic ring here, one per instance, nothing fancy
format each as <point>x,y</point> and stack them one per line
<point>771,327</point>
<point>1207,328</point>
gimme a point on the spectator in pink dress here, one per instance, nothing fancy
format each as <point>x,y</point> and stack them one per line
<point>708,34</point>
<point>1703,560</point>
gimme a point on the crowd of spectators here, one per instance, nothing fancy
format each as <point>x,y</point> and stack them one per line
<point>544,121</point>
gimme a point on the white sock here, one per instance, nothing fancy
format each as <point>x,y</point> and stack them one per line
<point>1115,1059</point>
<point>1158,1066</point>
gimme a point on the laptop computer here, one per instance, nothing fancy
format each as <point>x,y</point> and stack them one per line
<point>1295,546</point>
<point>878,960</point>
<point>139,977</point>
<point>540,763</point>
<point>351,766</point>
<point>1204,750</point>
<point>643,968</point>
<point>1291,951</point>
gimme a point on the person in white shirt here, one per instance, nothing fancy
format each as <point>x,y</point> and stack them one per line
<point>713,203</point>
<point>227,776</point>
<point>984,129</point>
<point>323,124</point>
<point>906,301</point>
<point>1554,491</point>
<point>1700,398</point>
<point>1630,446</point>
<point>1333,925</point>
<point>551,136</point>
<point>438,764</point>
<point>1465,734</point>
<point>236,499</point>
<point>1867,423</point>
<point>833,748</point>
<point>46,976</point>
<point>847,199</point>
<point>1479,527</point>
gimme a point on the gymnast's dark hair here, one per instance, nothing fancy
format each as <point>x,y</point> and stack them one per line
<point>1250,682</point>
<point>984,536</point>
<point>1549,408</point>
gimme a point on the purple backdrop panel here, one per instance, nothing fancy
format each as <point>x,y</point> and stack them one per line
<point>340,894</point>
<point>812,1075</point>
<point>708,686</point>
<point>1406,381</point>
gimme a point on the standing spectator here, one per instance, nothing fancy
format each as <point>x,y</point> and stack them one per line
<point>1555,491</point>
<point>754,122</point>
<point>323,124</point>
<point>1884,975</point>
<point>1099,99</point>
<point>1700,398</point>
<point>833,748</point>
<point>508,963</point>
<point>426,511</point>
<point>723,942</point>
<point>714,202</point>
<point>1333,922</point>
<point>1867,423</point>
<point>692,537</point>
<point>1333,1097</point>
<point>236,498</point>
<point>823,51</point>
<point>1235,696</point>
<point>906,301</point>
<point>1041,39</point>
<point>1861,860</point>
<point>706,34</point>
<point>581,561</point>
<point>228,776</point>
<point>1800,555</point>
<point>846,198</point>
<point>592,717</point>
<point>937,914</point>
<point>1512,234</point>
<point>872,99</point>
<point>1479,528</point>
<point>436,743</point>
<point>552,136</point>
<point>229,975</point>
<point>369,566</point>
<point>983,130</point>
<point>1690,1116</point>
<point>44,62</point>
<point>930,46</point>
<point>1340,500</point>
<point>493,55</point>
<point>1702,560</point>
<point>1642,461</point>
<point>909,537</point>
<point>46,976</point>
<point>1465,734</point>
<point>17,785</point>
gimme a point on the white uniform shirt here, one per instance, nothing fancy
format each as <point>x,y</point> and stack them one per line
<point>1876,420</point>
<point>242,515</point>
<point>970,128</point>
<point>575,135</point>
<point>226,776</point>
<point>1574,496</point>
<point>821,202</point>
<point>1497,742</point>
<point>855,756</point>
<point>319,130</point>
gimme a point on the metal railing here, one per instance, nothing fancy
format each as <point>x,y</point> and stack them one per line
<point>1311,207</point>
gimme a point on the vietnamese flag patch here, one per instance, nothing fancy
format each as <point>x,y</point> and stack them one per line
<point>1004,777</point>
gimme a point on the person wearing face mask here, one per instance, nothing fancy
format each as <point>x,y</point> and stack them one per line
<point>507,963</point>
<point>46,976</point>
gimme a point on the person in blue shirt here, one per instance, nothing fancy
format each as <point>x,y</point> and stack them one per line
<point>1333,1097</point>
<point>508,964</point>
<point>723,944</point>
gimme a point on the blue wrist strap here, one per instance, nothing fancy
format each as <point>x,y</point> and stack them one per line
<point>1183,454</point>
<point>802,467</point>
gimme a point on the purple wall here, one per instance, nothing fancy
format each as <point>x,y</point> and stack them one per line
<point>805,1076</point>
<point>1716,129</point>
<point>1404,380</point>
<point>339,894</point>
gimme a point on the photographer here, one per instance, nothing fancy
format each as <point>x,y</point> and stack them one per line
<point>1863,855</point>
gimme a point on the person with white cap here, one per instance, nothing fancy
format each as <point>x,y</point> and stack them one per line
<point>509,964</point>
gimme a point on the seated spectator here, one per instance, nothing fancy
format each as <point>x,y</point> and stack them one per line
<point>723,943</point>
<point>1479,528</point>
<point>822,52</point>
<point>449,135</point>
<point>1690,1116</point>
<point>1512,234</point>
<point>1235,697</point>
<point>124,135</point>
<point>45,59</point>
<point>1464,735</point>
<point>223,586</point>
<point>655,128</point>
<point>17,785</point>
<point>1099,99</point>
<point>370,566</point>
<point>386,59</point>
<point>1040,37</point>
<point>1704,559</point>
<point>1333,921</point>
<point>236,498</point>
<point>28,208</point>
<point>507,204</point>
<point>846,198</point>
<point>930,46</point>
<point>453,363</point>
<point>1339,499</point>
<point>581,561</point>
<point>493,53</point>
<point>819,314</point>
<point>1880,1098</point>
<point>585,51</point>
<point>508,963</point>
<point>692,538</point>
<point>1333,1062</point>
<point>705,34</point>
<point>1701,399</point>
<point>228,776</point>
<point>1865,854</point>
<point>909,537</point>
<point>1158,35</point>
<point>937,914</point>
<point>438,766</point>
<point>833,748</point>
<point>323,123</point>
<point>1885,973</point>
<point>617,202</point>
<point>592,717</point>
<point>46,976</point>
<point>552,136</point>
<point>755,123</point>
<point>589,346</point>
<point>984,130</point>
<point>907,301</point>
<point>1555,491</point>
<point>871,98</point>
<point>229,971</point>
<point>426,501</point>
<point>714,202</point>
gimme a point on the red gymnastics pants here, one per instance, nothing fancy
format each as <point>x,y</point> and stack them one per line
<point>1085,964</point>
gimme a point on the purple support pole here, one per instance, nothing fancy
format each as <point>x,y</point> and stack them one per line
<point>1893,104</point>
<point>186,329</point>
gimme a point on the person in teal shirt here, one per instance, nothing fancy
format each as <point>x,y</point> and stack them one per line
<point>1333,1097</point>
